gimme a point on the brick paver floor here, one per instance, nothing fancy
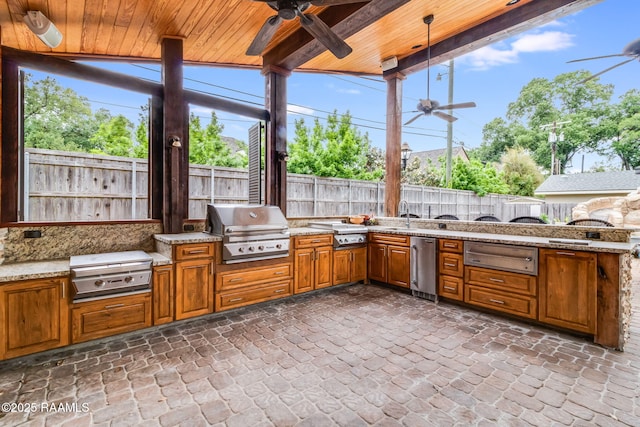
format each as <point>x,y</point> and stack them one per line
<point>358,355</point>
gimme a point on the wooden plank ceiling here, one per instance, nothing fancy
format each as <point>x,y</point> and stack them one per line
<point>219,31</point>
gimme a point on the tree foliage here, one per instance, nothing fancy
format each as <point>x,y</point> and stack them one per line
<point>337,150</point>
<point>114,137</point>
<point>520,172</point>
<point>428,175</point>
<point>477,177</point>
<point>206,146</point>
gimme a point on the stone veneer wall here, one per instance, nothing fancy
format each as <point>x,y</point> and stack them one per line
<point>62,241</point>
<point>625,298</point>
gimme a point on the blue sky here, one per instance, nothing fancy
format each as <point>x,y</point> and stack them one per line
<point>491,76</point>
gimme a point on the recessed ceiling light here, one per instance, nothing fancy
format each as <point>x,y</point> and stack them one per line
<point>416,46</point>
<point>512,2</point>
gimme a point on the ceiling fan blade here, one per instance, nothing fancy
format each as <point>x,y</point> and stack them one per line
<point>325,35</point>
<point>413,119</point>
<point>445,116</point>
<point>604,71</point>
<point>454,106</point>
<point>596,57</point>
<point>264,36</point>
<point>335,2</point>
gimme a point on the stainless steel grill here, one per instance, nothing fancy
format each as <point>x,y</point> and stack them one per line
<point>110,274</point>
<point>249,232</point>
<point>344,235</point>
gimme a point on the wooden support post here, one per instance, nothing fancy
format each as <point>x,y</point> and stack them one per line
<point>276,145</point>
<point>394,138</point>
<point>176,151</point>
<point>9,155</point>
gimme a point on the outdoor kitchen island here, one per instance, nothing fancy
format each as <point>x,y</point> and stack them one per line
<point>189,280</point>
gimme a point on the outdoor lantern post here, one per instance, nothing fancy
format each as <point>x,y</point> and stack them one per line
<point>405,152</point>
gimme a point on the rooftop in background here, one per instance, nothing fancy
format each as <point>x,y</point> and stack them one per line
<point>434,155</point>
<point>589,185</point>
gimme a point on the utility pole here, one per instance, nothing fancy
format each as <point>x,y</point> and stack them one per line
<point>449,129</point>
<point>553,139</point>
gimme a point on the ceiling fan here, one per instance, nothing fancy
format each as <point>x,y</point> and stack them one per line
<point>290,9</point>
<point>428,107</point>
<point>632,50</point>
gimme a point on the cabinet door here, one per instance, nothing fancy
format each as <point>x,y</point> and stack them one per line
<point>378,262</point>
<point>163,295</point>
<point>303,270</point>
<point>568,289</point>
<point>34,316</point>
<point>358,264</point>
<point>398,267</point>
<point>341,267</point>
<point>323,264</point>
<point>194,288</point>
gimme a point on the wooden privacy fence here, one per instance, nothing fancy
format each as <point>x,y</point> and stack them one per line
<point>65,186</point>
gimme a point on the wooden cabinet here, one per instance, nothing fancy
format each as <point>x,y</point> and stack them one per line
<point>389,259</point>
<point>193,280</point>
<point>34,316</point>
<point>110,316</point>
<point>237,288</point>
<point>163,295</point>
<point>313,262</point>
<point>511,293</point>
<point>568,289</point>
<point>349,265</point>
<point>450,269</point>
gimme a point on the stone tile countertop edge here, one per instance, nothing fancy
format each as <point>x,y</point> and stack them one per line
<point>51,268</point>
<point>199,237</point>
<point>542,242</point>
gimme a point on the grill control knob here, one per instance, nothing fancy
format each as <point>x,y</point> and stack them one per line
<point>240,249</point>
<point>99,283</point>
<point>261,248</point>
<point>128,279</point>
<point>251,249</point>
<point>360,239</point>
<point>279,246</point>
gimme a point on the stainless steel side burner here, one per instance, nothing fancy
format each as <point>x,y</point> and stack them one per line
<point>344,235</point>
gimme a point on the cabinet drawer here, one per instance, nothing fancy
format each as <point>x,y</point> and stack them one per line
<point>242,278</point>
<point>313,241</point>
<point>451,264</point>
<point>193,251</point>
<point>447,245</point>
<point>390,239</point>
<point>110,316</point>
<point>501,280</point>
<point>451,287</point>
<point>495,300</point>
<point>227,300</point>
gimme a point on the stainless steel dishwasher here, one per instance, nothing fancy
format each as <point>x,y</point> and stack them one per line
<point>423,268</point>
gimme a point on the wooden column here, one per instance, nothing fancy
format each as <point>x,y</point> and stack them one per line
<point>176,149</point>
<point>275,174</point>
<point>9,154</point>
<point>394,138</point>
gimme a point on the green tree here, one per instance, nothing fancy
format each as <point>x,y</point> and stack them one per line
<point>624,126</point>
<point>57,118</point>
<point>520,172</point>
<point>114,137</point>
<point>479,178</point>
<point>141,145</point>
<point>428,175</point>
<point>206,146</point>
<point>336,150</point>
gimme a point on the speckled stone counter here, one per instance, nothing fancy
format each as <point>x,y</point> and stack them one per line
<point>33,270</point>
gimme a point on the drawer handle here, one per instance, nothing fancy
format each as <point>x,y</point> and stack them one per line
<point>450,245</point>
<point>566,253</point>
<point>279,273</point>
<point>199,251</point>
<point>278,291</point>
<point>449,288</point>
<point>450,265</point>
<point>496,280</point>
<point>236,299</point>
<point>235,279</point>
<point>497,301</point>
<point>316,241</point>
<point>113,306</point>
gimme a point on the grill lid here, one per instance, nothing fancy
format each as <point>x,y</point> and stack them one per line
<point>225,219</point>
<point>109,263</point>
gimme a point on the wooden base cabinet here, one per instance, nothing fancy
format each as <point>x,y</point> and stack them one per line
<point>313,262</point>
<point>389,259</point>
<point>34,316</point>
<point>110,316</point>
<point>349,265</point>
<point>450,269</point>
<point>163,295</point>
<point>568,289</point>
<point>237,288</point>
<point>193,280</point>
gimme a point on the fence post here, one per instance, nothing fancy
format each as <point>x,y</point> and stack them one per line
<point>315,196</point>
<point>134,177</point>
<point>26,193</point>
<point>213,174</point>
<point>350,196</point>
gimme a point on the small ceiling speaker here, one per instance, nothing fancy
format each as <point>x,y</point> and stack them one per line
<point>43,28</point>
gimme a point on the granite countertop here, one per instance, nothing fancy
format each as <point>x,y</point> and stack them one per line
<point>545,242</point>
<point>308,231</point>
<point>180,238</point>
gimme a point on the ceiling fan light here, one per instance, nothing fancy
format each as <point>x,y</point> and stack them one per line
<point>43,28</point>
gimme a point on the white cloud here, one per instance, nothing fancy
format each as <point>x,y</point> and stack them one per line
<point>299,109</point>
<point>500,53</point>
<point>341,90</point>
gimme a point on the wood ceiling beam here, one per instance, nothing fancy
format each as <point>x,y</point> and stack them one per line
<point>520,19</point>
<point>345,20</point>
